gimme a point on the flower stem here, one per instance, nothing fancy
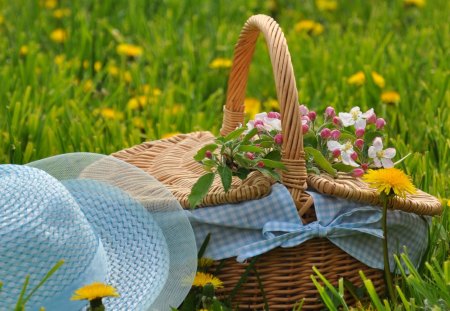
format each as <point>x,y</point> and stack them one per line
<point>387,271</point>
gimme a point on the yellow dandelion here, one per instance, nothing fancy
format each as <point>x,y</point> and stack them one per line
<point>129,50</point>
<point>252,107</point>
<point>94,291</point>
<point>111,114</point>
<point>2,19</point>
<point>168,135</point>
<point>23,50</point>
<point>58,35</point>
<point>61,13</point>
<point>205,262</point>
<point>357,79</point>
<point>133,103</point>
<point>59,59</point>
<point>113,70</point>
<point>138,122</point>
<point>176,109</point>
<point>378,79</point>
<point>390,97</point>
<point>50,4</point>
<point>221,63</point>
<point>326,5</point>
<point>97,66</point>
<point>127,76</point>
<point>201,279</point>
<point>390,181</point>
<point>414,3</point>
<point>310,27</point>
<point>88,85</point>
<point>271,105</point>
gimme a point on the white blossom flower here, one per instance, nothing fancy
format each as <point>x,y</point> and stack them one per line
<point>346,151</point>
<point>355,117</point>
<point>381,158</point>
<point>261,119</point>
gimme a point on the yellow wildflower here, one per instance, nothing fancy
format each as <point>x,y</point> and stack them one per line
<point>113,70</point>
<point>205,262</point>
<point>201,279</point>
<point>271,105</point>
<point>88,85</point>
<point>59,35</point>
<point>221,63</point>
<point>97,66</point>
<point>390,181</point>
<point>390,97</point>
<point>94,291</point>
<point>61,13</point>
<point>138,122</point>
<point>129,50</point>
<point>414,3</point>
<point>252,107</point>
<point>326,5</point>
<point>168,135</point>
<point>127,76</point>
<point>176,109</point>
<point>110,114</point>
<point>50,4</point>
<point>137,102</point>
<point>310,27</point>
<point>378,79</point>
<point>23,50</point>
<point>357,79</point>
<point>85,64</point>
<point>59,59</point>
<point>2,19</point>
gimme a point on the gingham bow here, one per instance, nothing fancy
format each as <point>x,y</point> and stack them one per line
<point>287,234</point>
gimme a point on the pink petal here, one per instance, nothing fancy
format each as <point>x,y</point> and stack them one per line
<point>378,144</point>
<point>372,152</point>
<point>377,162</point>
<point>360,124</point>
<point>387,163</point>
<point>389,153</point>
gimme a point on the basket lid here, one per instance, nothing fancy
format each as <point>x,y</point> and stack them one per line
<point>355,189</point>
<point>171,161</point>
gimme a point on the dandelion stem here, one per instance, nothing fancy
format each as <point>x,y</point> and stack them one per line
<point>387,271</point>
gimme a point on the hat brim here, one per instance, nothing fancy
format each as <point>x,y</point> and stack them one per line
<point>148,240</point>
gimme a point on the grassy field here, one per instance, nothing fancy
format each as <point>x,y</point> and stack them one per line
<point>73,90</point>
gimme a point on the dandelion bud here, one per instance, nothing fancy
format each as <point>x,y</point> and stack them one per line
<point>312,115</point>
<point>354,156</point>
<point>359,143</point>
<point>274,115</point>
<point>335,134</point>
<point>372,119</point>
<point>325,133</point>
<point>260,164</point>
<point>278,139</point>
<point>337,121</point>
<point>250,155</point>
<point>380,123</point>
<point>336,153</point>
<point>208,154</point>
<point>330,113</point>
<point>305,128</point>
<point>358,172</point>
<point>359,132</point>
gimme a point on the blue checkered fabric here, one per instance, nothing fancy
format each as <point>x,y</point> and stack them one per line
<point>254,227</point>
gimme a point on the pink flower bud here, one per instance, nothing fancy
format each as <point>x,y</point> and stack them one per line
<point>354,156</point>
<point>278,139</point>
<point>274,115</point>
<point>365,166</point>
<point>358,172</point>
<point>303,110</point>
<point>337,121</point>
<point>260,164</point>
<point>372,119</point>
<point>250,155</point>
<point>208,154</point>
<point>335,134</point>
<point>306,118</point>
<point>330,113</point>
<point>325,133</point>
<point>259,124</point>
<point>380,123</point>
<point>359,143</point>
<point>359,132</point>
<point>312,115</point>
<point>305,128</point>
<point>336,153</point>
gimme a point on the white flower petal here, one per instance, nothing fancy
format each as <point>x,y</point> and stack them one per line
<point>389,153</point>
<point>387,163</point>
<point>368,113</point>
<point>372,152</point>
<point>346,119</point>
<point>346,159</point>
<point>261,116</point>
<point>360,124</point>
<point>377,162</point>
<point>378,144</point>
<point>333,145</point>
<point>303,110</point>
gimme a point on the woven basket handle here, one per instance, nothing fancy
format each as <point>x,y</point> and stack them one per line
<point>292,156</point>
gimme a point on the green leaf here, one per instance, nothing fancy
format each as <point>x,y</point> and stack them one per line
<point>242,173</point>
<point>273,164</point>
<point>202,249</point>
<point>269,173</point>
<point>250,134</point>
<point>341,167</point>
<point>225,175</point>
<point>200,189</point>
<point>309,139</point>
<point>201,152</point>
<point>267,144</point>
<point>46,277</point>
<point>274,155</point>
<point>236,133</point>
<point>320,160</point>
<point>250,148</point>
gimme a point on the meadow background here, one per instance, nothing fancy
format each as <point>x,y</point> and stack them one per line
<point>65,86</point>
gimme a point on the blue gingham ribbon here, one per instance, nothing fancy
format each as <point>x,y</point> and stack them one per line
<point>254,227</point>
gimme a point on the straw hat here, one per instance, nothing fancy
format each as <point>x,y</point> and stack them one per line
<point>108,220</point>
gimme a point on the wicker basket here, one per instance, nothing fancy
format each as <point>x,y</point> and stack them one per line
<point>284,273</point>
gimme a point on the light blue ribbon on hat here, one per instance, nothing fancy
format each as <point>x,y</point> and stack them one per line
<point>286,234</point>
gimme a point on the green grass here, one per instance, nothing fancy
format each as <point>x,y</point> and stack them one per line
<point>48,109</point>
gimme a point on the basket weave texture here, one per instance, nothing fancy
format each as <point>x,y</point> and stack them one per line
<point>284,273</point>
